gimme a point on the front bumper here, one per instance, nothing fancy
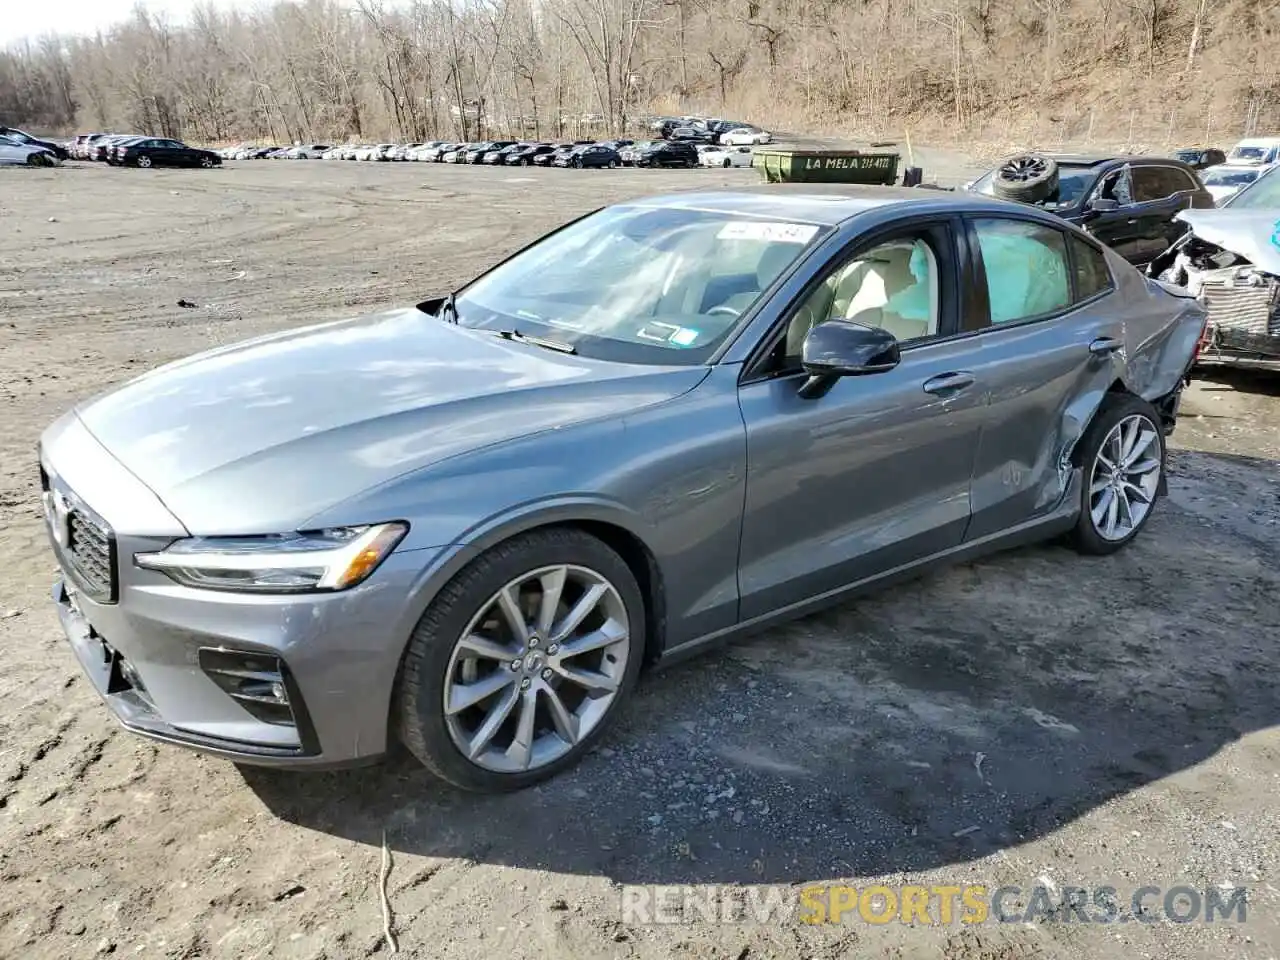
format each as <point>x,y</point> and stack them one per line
<point>280,680</point>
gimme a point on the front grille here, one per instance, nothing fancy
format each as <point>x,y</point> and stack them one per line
<point>90,546</point>
<point>1246,309</point>
<point>87,542</point>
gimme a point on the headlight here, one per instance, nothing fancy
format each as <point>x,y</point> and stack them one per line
<point>317,560</point>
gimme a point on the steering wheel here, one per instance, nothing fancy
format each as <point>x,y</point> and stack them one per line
<point>725,308</point>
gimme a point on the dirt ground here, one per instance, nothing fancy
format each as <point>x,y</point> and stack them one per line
<point>1033,718</point>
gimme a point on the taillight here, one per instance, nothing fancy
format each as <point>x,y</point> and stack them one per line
<point>1202,341</point>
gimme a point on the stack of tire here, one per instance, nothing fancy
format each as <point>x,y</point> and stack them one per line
<point>1029,178</point>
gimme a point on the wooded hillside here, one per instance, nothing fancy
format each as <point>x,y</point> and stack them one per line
<point>1022,71</point>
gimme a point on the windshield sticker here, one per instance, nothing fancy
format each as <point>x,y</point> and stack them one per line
<point>658,331</point>
<point>765,230</point>
<point>683,337</point>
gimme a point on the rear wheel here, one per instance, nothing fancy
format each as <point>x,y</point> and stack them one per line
<point>1122,456</point>
<point>522,661</point>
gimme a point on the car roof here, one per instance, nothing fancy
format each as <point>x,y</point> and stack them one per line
<point>826,204</point>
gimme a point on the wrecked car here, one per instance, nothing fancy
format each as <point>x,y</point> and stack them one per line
<point>1229,259</point>
<point>1127,202</point>
<point>469,524</point>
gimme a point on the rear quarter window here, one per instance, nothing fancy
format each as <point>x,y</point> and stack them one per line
<point>1090,271</point>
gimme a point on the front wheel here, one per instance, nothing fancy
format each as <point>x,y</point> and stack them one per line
<point>144,161</point>
<point>522,661</point>
<point>1122,458</point>
<point>206,162</point>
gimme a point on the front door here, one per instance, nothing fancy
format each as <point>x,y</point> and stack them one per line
<point>874,474</point>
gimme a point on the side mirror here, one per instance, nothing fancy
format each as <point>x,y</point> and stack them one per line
<point>1104,205</point>
<point>841,348</point>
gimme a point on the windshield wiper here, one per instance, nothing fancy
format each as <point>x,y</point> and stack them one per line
<point>557,345</point>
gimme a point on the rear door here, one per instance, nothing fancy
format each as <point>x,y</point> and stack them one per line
<point>1048,348</point>
<point>1160,192</point>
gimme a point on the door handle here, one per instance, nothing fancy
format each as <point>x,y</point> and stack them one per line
<point>947,384</point>
<point>1104,346</point>
<point>1132,221</point>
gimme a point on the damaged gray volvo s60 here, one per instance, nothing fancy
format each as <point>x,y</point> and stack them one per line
<point>470,524</point>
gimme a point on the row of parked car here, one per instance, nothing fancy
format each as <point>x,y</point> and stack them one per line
<point>515,153</point>
<point>1226,173</point>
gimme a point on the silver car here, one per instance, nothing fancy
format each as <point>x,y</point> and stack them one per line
<point>14,152</point>
<point>469,524</point>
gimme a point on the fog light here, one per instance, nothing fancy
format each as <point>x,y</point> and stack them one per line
<point>277,691</point>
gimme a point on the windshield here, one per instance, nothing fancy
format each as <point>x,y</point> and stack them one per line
<point>1249,153</point>
<point>1228,178</point>
<point>638,284</point>
<point>1073,182</point>
<point>1262,194</point>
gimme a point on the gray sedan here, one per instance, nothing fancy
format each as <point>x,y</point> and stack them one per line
<point>471,523</point>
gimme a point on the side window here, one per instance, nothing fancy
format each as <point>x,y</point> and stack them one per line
<point>1146,185</point>
<point>894,285</point>
<point>1156,183</point>
<point>1091,272</point>
<point>1115,186</point>
<point>1026,268</point>
<point>1181,181</point>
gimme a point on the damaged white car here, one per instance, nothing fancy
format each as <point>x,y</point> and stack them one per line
<point>1229,258</point>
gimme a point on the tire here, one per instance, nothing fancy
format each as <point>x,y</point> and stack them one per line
<point>1028,178</point>
<point>432,662</point>
<point>38,160</point>
<point>1097,448</point>
<point>726,163</point>
<point>144,161</point>
<point>613,164</point>
<point>206,162</point>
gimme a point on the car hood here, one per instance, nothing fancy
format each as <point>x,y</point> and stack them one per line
<point>261,436</point>
<point>1252,234</point>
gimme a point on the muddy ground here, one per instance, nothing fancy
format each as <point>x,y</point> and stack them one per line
<point>1036,717</point>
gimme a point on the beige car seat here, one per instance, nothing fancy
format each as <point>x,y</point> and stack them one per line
<point>773,260</point>
<point>860,292</point>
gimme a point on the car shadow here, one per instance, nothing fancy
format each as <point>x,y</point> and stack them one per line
<point>1262,382</point>
<point>975,709</point>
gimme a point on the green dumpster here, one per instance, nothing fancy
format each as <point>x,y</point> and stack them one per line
<point>826,166</point>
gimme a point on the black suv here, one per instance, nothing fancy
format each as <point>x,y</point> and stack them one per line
<point>1200,157</point>
<point>1127,202</point>
<point>668,153</point>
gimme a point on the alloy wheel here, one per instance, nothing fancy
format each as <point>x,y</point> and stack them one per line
<point>1125,478</point>
<point>537,668</point>
<point>144,161</point>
